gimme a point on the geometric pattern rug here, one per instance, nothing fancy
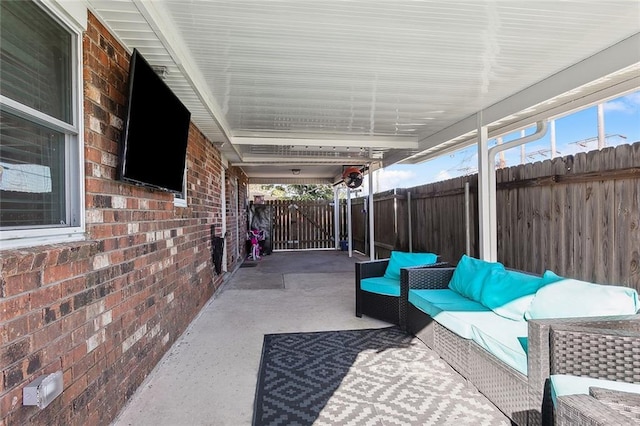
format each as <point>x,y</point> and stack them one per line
<point>363,377</point>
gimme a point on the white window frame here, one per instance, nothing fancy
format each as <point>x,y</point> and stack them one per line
<point>71,20</point>
<point>180,200</point>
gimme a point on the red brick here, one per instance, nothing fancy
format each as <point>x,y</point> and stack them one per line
<point>25,263</point>
<point>76,387</point>
<point>20,283</point>
<point>82,333</point>
<point>72,355</point>
<point>45,296</point>
<point>57,273</point>
<point>11,401</point>
<point>55,351</point>
<point>13,307</point>
<point>96,370</point>
<point>72,286</point>
<point>45,335</point>
<point>82,366</point>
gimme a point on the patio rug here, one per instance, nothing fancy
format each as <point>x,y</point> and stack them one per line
<point>363,377</point>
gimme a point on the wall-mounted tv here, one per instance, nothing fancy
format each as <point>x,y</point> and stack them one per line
<point>156,128</point>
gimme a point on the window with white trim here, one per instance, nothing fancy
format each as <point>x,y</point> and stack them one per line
<point>180,200</point>
<point>40,134</point>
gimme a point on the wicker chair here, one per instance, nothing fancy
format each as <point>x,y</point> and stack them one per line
<point>519,396</point>
<point>375,305</point>
<point>601,349</point>
<point>602,407</point>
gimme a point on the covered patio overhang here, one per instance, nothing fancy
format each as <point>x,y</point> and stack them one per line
<point>319,86</point>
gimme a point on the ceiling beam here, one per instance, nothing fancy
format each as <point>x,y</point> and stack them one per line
<point>252,160</point>
<point>369,142</point>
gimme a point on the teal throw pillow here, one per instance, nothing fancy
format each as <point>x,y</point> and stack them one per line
<point>570,298</point>
<point>509,293</point>
<point>400,259</point>
<point>470,275</point>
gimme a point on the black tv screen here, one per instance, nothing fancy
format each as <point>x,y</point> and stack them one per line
<point>156,130</point>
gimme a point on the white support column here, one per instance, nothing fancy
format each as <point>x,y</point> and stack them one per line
<point>336,216</point>
<point>523,150</point>
<point>372,236</point>
<point>467,221</point>
<point>485,196</point>
<point>409,219</point>
<point>491,234</point>
<point>349,231</point>
<point>552,138</point>
<point>602,139</point>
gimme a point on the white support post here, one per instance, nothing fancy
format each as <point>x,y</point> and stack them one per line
<point>485,196</point>
<point>602,139</point>
<point>372,238</point>
<point>467,221</point>
<point>409,218</point>
<point>491,234</point>
<point>349,230</point>
<point>552,137</point>
<point>523,150</point>
<point>336,216</point>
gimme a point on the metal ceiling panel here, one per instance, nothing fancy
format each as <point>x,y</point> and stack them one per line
<point>376,76</point>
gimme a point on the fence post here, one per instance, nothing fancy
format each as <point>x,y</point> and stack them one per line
<point>350,238</point>
<point>409,221</point>
<point>372,239</point>
<point>336,216</point>
<point>467,224</point>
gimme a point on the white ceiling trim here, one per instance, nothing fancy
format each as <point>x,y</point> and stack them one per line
<point>253,160</point>
<point>292,181</point>
<point>366,143</point>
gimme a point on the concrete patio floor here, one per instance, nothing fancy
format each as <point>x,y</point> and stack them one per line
<point>208,377</point>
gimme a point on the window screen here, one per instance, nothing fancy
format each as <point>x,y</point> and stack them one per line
<point>36,53</point>
<point>36,59</point>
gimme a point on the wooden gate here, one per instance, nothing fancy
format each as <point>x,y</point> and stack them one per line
<point>302,225</point>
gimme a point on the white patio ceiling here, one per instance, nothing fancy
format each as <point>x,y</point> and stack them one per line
<point>296,84</point>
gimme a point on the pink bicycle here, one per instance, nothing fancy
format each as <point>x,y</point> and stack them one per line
<point>255,236</point>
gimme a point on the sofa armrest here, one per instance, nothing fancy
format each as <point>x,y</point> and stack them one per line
<point>588,411</point>
<point>370,269</point>
<point>628,401</point>
<point>434,276</point>
<point>545,358</point>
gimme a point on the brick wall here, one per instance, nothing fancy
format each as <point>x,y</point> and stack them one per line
<point>104,311</point>
<point>237,215</point>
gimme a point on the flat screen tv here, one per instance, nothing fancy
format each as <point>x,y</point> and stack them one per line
<point>156,128</point>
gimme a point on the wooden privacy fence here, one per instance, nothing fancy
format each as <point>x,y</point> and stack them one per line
<point>302,224</point>
<point>576,215</point>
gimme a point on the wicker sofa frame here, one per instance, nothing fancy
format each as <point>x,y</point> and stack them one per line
<point>609,349</point>
<point>519,396</point>
<point>379,306</point>
<point>602,407</point>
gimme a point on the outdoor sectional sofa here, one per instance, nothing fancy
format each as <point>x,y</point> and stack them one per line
<point>378,283</point>
<point>498,328</point>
